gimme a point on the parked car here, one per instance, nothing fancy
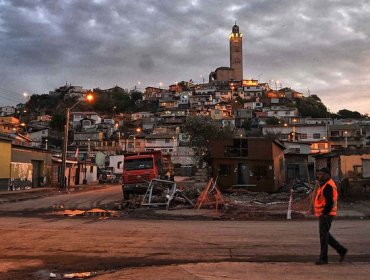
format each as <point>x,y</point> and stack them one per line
<point>107,176</point>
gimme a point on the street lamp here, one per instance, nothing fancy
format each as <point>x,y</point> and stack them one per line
<point>114,111</point>
<point>240,149</point>
<point>346,140</point>
<point>46,144</point>
<point>63,182</point>
<point>88,148</point>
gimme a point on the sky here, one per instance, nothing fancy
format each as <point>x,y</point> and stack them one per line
<point>315,47</point>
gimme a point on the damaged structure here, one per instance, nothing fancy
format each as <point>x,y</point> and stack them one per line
<point>255,163</point>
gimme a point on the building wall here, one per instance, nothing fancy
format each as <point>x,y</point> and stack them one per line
<point>224,75</point>
<point>5,158</point>
<point>91,173</point>
<point>20,175</point>
<point>347,164</point>
<point>41,164</point>
<point>261,170</point>
<point>260,148</point>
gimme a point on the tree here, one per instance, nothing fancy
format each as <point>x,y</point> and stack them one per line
<point>312,107</point>
<point>347,114</point>
<point>272,120</point>
<point>136,96</point>
<point>58,121</point>
<point>200,130</point>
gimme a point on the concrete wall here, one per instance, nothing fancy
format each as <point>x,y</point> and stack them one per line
<point>20,176</point>
<point>5,157</point>
<point>347,164</point>
<point>41,163</point>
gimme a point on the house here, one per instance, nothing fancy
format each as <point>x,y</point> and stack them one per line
<point>343,163</point>
<point>296,132</point>
<point>70,174</point>
<point>76,118</point>
<point>86,173</point>
<point>166,143</point>
<point>346,136</point>
<point>30,167</point>
<point>281,112</point>
<point>242,116</point>
<point>9,124</point>
<point>7,111</point>
<point>153,93</point>
<point>44,118</point>
<point>5,159</point>
<point>254,163</point>
<point>140,115</point>
<point>298,161</point>
<point>38,137</point>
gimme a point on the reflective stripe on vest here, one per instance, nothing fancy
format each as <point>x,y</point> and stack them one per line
<point>320,200</point>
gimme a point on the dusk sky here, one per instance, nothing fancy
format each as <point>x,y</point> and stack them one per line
<point>320,46</point>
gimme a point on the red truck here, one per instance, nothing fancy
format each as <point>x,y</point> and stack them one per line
<point>140,168</point>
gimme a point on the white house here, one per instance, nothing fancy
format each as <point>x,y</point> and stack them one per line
<point>297,132</point>
<point>140,115</point>
<point>38,136</point>
<point>6,111</point>
<point>76,117</point>
<point>164,142</point>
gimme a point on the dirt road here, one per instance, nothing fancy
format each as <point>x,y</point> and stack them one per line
<point>32,248</point>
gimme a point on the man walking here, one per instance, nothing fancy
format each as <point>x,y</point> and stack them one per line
<point>325,206</point>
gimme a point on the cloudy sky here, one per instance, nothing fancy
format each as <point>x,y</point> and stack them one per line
<point>318,46</point>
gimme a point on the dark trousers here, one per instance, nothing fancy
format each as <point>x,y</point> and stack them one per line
<point>326,238</point>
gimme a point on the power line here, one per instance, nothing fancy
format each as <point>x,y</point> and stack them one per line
<point>10,95</point>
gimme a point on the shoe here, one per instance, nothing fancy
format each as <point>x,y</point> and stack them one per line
<point>342,255</point>
<point>321,262</point>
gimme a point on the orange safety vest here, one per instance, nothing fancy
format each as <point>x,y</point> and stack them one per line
<point>320,200</point>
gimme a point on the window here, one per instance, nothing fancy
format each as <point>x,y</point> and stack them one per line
<point>284,136</point>
<point>316,136</point>
<point>167,141</point>
<point>224,169</point>
<point>91,169</point>
<point>334,133</point>
<point>303,136</point>
<point>322,146</point>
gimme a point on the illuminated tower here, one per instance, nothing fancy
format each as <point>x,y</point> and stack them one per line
<point>236,53</point>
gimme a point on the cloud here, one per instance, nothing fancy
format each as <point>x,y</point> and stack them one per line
<point>320,45</point>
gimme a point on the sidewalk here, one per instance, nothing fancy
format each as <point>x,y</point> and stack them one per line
<point>244,270</point>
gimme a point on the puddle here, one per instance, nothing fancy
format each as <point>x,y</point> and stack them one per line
<point>96,212</point>
<point>45,274</point>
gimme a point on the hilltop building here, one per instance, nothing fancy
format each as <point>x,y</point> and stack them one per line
<point>235,71</point>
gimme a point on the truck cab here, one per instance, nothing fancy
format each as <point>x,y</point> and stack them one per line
<point>139,169</point>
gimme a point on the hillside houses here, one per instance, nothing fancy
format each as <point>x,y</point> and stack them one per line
<point>249,108</point>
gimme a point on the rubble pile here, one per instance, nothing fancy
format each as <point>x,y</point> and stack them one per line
<point>260,205</point>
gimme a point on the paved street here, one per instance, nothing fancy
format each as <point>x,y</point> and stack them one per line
<point>32,248</point>
<point>96,197</point>
<point>33,245</point>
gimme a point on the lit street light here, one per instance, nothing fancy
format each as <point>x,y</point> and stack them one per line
<point>63,182</point>
<point>240,149</point>
<point>345,138</point>
<point>46,144</point>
